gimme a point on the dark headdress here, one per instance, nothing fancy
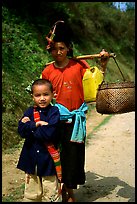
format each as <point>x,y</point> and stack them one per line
<point>60,33</point>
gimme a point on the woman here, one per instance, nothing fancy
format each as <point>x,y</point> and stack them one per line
<point>66,75</point>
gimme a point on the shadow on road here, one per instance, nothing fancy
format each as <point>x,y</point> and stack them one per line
<point>98,186</point>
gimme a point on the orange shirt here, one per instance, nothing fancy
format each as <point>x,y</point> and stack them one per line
<point>67,83</point>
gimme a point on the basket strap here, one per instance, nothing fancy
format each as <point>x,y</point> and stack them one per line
<point>119,69</point>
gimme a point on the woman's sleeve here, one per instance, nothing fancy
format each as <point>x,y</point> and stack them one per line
<point>44,74</point>
<point>85,66</point>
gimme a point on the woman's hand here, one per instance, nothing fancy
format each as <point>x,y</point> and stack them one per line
<point>104,60</point>
<point>104,54</point>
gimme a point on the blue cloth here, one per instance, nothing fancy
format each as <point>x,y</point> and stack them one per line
<point>79,130</point>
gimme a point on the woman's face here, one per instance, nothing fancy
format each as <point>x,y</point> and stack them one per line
<point>59,51</point>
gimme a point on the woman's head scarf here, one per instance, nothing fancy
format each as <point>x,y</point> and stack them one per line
<point>60,33</point>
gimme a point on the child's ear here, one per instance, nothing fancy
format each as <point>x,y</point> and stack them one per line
<point>32,96</point>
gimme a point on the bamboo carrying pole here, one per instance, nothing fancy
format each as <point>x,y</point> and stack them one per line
<point>85,57</point>
<point>93,56</point>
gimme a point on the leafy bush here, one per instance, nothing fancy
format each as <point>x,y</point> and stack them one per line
<point>96,25</point>
<point>23,61</point>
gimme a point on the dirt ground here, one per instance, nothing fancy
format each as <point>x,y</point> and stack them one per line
<point>109,165</point>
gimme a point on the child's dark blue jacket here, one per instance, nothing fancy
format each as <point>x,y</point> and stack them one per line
<point>34,152</point>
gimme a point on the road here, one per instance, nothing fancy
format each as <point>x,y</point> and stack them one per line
<point>110,162</point>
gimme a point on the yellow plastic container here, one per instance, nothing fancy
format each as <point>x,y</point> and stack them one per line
<point>91,80</point>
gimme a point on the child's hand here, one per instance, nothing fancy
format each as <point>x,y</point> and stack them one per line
<point>25,119</point>
<point>41,123</point>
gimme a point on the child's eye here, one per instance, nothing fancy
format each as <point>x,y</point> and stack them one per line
<point>37,95</point>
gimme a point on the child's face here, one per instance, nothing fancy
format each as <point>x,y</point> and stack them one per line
<point>59,51</point>
<point>42,95</point>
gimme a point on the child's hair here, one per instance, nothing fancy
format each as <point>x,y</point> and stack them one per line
<point>42,82</point>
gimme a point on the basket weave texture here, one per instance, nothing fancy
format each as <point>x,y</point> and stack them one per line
<point>115,98</point>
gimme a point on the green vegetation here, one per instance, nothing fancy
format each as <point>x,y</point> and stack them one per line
<point>15,196</point>
<point>95,25</point>
<point>106,119</point>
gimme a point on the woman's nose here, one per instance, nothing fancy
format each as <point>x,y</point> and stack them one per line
<point>59,52</point>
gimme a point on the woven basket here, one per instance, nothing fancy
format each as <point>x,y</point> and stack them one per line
<point>113,98</point>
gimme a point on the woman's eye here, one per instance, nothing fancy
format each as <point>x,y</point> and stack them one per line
<point>62,48</point>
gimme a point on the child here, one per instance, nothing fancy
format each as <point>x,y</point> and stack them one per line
<point>66,75</point>
<point>39,155</point>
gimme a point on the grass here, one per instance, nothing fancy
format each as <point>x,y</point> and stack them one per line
<point>14,148</point>
<point>15,196</point>
<point>102,123</point>
<point>106,119</point>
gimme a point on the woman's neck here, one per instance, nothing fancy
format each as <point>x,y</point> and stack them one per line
<point>61,64</point>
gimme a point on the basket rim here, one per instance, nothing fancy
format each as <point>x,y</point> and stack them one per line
<point>116,85</point>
